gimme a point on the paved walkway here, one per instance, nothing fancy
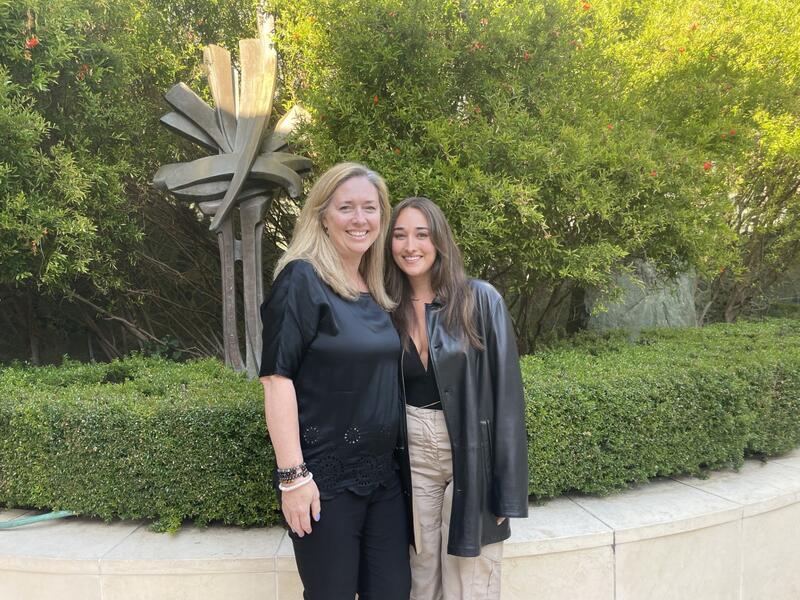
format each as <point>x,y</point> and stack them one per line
<point>733,535</point>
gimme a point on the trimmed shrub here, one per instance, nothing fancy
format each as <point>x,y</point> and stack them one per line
<point>603,413</point>
<point>148,438</point>
<point>139,438</point>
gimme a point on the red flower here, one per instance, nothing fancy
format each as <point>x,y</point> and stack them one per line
<point>707,165</point>
<point>586,6</point>
<point>610,126</point>
<point>397,151</point>
<point>484,22</point>
<point>681,49</point>
<point>653,173</point>
<point>375,99</point>
<point>393,13</point>
<point>693,26</point>
<point>477,46</point>
<point>31,42</point>
<point>732,132</point>
<point>526,56</point>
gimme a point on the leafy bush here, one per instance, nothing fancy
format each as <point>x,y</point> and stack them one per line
<point>603,413</point>
<point>149,438</point>
<point>140,438</point>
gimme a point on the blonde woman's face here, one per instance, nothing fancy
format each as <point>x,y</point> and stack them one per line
<point>353,217</point>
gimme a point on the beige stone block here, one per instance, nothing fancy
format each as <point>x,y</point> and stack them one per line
<point>62,546</point>
<point>288,581</point>
<point>284,558</point>
<point>559,525</point>
<point>702,564</point>
<point>8,514</point>
<point>212,586</point>
<point>771,547</point>
<point>26,585</point>
<point>289,586</point>
<point>194,550</point>
<point>791,459</point>
<point>659,508</point>
<point>757,486</point>
<point>578,575</point>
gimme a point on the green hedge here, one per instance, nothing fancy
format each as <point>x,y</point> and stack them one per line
<point>149,438</point>
<point>142,438</point>
<point>603,413</point>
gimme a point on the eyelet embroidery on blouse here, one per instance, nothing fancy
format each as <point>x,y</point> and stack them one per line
<point>352,436</point>
<point>311,435</point>
<point>367,470</point>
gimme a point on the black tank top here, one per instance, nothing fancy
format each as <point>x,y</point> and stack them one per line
<point>420,384</point>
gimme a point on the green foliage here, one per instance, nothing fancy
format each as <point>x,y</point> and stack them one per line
<point>562,139</point>
<point>140,438</point>
<point>148,438</point>
<point>603,412</point>
<point>63,210</point>
<point>81,86</point>
<point>80,98</point>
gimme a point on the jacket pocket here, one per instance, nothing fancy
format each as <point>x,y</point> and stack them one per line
<point>487,451</point>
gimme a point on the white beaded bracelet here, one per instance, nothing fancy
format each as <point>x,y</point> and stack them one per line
<point>288,488</point>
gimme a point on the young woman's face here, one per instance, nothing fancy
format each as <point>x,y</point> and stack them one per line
<point>412,248</point>
<point>353,217</point>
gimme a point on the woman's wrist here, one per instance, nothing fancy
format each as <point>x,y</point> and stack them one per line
<point>288,487</point>
<point>290,474</point>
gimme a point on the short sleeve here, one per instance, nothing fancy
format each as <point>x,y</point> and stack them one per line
<point>290,318</point>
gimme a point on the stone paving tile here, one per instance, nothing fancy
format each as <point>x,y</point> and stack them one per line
<point>660,507</point>
<point>757,486</point>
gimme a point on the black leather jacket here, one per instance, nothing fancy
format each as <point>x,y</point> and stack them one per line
<point>484,408</point>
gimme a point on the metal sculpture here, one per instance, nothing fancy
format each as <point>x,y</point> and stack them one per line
<point>251,167</point>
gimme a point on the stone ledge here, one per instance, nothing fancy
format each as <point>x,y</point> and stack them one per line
<point>652,541</point>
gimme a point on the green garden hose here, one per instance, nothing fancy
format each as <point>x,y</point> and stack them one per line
<point>59,514</point>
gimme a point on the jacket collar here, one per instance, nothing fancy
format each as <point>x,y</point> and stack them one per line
<point>437,303</point>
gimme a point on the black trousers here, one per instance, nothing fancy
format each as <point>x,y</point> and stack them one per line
<point>360,545</point>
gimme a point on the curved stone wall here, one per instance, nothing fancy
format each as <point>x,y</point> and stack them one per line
<point>735,535</point>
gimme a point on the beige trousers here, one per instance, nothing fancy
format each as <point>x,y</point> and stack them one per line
<point>435,574</point>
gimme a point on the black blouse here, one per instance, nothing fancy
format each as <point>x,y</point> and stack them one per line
<point>342,357</point>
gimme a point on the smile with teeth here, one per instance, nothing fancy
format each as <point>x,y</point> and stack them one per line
<point>359,235</point>
<point>411,258</point>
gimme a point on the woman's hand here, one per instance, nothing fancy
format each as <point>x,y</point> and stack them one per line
<point>299,506</point>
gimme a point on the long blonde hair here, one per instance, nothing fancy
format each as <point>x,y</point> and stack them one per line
<point>311,243</point>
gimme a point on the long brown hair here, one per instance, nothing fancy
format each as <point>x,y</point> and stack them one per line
<point>310,243</point>
<point>448,279</point>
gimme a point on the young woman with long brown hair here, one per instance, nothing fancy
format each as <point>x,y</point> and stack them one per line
<point>465,409</point>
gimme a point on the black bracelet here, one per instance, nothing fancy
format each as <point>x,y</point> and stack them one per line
<point>292,473</point>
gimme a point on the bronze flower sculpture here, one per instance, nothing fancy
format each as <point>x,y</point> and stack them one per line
<point>250,169</point>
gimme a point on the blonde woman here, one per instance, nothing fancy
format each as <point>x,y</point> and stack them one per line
<point>330,373</point>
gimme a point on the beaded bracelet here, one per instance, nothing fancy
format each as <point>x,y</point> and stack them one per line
<point>290,474</point>
<point>288,488</point>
